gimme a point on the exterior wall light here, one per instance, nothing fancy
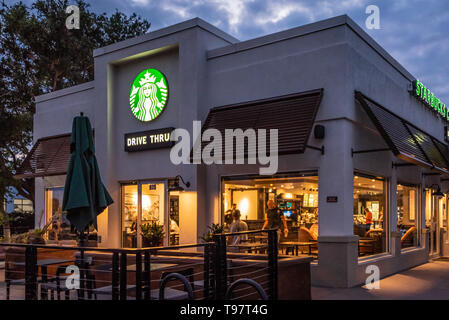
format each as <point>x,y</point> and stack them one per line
<point>173,184</point>
<point>438,192</point>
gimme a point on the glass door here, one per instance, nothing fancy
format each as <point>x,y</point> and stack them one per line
<point>144,217</point>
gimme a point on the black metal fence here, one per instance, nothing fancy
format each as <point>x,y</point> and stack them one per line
<point>221,269</point>
<point>246,265</point>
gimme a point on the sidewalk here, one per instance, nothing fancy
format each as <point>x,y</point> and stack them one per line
<point>429,281</point>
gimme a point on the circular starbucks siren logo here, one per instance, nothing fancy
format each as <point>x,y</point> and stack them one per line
<point>148,95</point>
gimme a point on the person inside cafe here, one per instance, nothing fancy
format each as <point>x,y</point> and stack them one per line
<point>134,224</point>
<point>274,219</point>
<point>228,218</point>
<point>368,218</point>
<point>237,226</point>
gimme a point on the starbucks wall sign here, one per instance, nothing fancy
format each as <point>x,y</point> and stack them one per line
<point>149,94</point>
<point>148,140</point>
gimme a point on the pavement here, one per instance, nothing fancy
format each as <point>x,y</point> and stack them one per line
<point>429,281</point>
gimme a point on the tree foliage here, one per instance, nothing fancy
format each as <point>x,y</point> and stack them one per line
<point>38,54</point>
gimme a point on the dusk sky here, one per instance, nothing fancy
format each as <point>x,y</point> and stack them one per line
<point>414,32</point>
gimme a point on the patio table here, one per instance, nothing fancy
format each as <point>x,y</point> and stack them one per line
<point>43,264</point>
<point>153,266</point>
<point>249,247</point>
<point>297,244</point>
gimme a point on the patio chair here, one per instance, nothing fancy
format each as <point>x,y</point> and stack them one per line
<point>57,284</point>
<point>174,294</point>
<point>14,274</point>
<point>304,235</point>
<point>104,290</point>
<point>199,284</point>
<point>314,230</point>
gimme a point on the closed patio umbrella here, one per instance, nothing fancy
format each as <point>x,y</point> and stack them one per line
<point>85,196</point>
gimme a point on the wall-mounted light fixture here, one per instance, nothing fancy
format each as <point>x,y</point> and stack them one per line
<point>173,184</point>
<point>319,131</point>
<point>438,192</point>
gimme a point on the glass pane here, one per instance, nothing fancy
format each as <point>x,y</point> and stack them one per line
<point>245,201</point>
<point>153,214</point>
<point>369,209</point>
<point>129,216</point>
<point>56,220</point>
<point>174,219</point>
<point>407,210</point>
<point>442,208</point>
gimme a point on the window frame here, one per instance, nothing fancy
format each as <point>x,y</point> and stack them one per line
<point>387,209</point>
<point>420,194</point>
<point>291,174</point>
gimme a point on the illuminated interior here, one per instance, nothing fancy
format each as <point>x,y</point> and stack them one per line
<point>295,196</point>
<point>407,211</point>
<point>369,210</point>
<point>56,224</point>
<point>133,218</point>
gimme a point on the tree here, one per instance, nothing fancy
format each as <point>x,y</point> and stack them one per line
<point>38,54</point>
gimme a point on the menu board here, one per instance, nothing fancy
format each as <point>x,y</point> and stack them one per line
<point>310,200</point>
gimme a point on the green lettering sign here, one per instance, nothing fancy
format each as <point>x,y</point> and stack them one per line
<point>149,94</point>
<point>427,97</point>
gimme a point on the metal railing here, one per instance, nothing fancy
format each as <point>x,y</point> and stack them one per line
<point>195,271</point>
<point>234,265</point>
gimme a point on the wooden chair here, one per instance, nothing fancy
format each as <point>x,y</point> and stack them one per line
<point>57,284</point>
<point>407,238</point>
<point>14,275</point>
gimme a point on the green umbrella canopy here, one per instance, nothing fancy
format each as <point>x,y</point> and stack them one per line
<point>85,196</point>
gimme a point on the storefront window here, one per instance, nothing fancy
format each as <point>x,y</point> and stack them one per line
<point>370,213</point>
<point>56,221</point>
<point>295,195</point>
<point>443,217</point>
<point>174,219</point>
<point>407,210</point>
<point>129,216</point>
<point>143,215</point>
<point>23,205</point>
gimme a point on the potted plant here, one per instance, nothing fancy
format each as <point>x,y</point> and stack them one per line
<point>35,236</point>
<point>213,229</point>
<point>152,234</point>
<point>31,237</point>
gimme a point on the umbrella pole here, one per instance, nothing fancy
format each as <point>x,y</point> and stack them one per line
<point>82,239</point>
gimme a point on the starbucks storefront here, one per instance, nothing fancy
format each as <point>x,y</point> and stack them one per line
<point>357,163</point>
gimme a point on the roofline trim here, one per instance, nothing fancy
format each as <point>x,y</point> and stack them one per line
<point>163,32</point>
<point>64,92</point>
<point>306,30</point>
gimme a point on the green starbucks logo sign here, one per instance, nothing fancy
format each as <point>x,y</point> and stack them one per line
<point>149,93</point>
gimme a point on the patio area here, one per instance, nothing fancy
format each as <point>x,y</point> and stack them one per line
<point>204,271</point>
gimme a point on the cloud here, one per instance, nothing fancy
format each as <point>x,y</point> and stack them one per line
<point>414,32</point>
<point>140,2</point>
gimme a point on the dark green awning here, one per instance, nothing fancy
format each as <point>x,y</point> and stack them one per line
<point>405,140</point>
